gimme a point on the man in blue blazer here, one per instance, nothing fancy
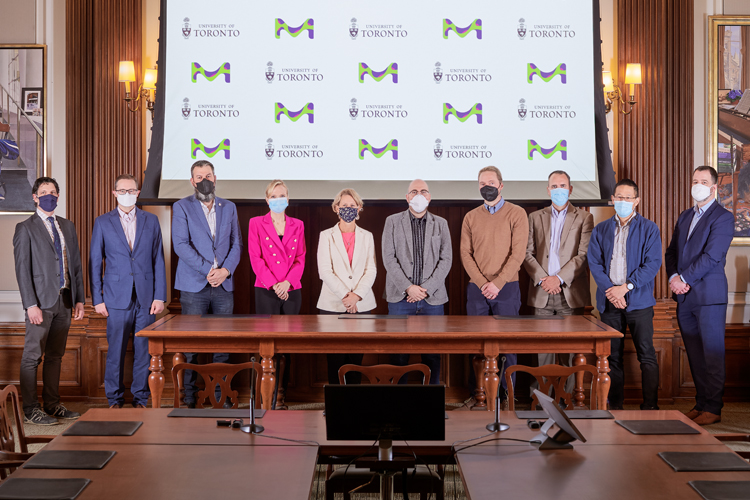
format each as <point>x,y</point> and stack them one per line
<point>206,238</point>
<point>624,257</point>
<point>696,258</point>
<point>128,287</point>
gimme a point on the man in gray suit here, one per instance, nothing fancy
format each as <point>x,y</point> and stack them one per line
<point>417,255</point>
<point>50,279</point>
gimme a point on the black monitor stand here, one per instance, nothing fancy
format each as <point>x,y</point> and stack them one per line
<point>385,466</point>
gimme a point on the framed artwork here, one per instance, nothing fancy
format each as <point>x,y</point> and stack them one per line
<point>23,137</point>
<point>32,100</point>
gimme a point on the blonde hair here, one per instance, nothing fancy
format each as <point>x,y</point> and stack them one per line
<point>491,169</point>
<point>350,192</point>
<point>273,184</point>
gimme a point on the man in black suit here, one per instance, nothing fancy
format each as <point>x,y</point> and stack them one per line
<point>50,279</point>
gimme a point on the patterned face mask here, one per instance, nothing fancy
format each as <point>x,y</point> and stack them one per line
<point>348,214</point>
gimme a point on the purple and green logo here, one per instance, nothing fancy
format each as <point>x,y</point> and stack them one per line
<point>462,116</point>
<point>532,69</point>
<point>378,152</point>
<point>364,69</point>
<point>197,69</point>
<point>196,145</point>
<point>308,25</point>
<point>308,109</point>
<point>561,146</point>
<point>462,32</point>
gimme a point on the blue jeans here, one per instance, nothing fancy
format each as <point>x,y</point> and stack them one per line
<point>217,301</point>
<point>417,309</point>
<point>507,303</point>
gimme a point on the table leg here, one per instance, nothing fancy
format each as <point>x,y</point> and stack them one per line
<point>268,379</point>
<point>603,381</point>
<point>478,363</point>
<point>491,381</point>
<point>579,394</point>
<point>177,359</point>
<point>156,379</point>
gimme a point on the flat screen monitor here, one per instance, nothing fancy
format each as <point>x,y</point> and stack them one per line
<point>398,412</point>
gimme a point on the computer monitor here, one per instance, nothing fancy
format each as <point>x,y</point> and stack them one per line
<point>395,412</point>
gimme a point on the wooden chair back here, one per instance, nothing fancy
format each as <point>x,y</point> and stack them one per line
<point>385,374</point>
<point>213,374</point>
<point>9,407</point>
<point>553,376</point>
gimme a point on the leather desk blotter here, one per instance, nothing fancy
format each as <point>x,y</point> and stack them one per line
<point>216,412</point>
<point>657,427</point>
<point>721,490</point>
<point>572,414</point>
<point>684,461</point>
<point>69,459</point>
<point>90,428</point>
<point>17,488</point>
<point>373,316</point>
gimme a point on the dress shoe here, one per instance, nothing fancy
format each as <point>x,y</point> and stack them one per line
<point>707,418</point>
<point>139,405</point>
<point>115,406</point>
<point>693,414</point>
<point>191,405</point>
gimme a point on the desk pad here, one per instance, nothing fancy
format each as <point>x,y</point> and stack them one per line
<point>17,488</point>
<point>688,461</point>
<point>69,459</point>
<point>656,427</point>
<point>721,490</point>
<point>91,428</point>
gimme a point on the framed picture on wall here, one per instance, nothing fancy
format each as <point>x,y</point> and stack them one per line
<point>32,99</point>
<point>728,141</point>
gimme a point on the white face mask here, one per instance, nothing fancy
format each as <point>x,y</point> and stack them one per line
<point>126,200</point>
<point>700,192</point>
<point>419,203</point>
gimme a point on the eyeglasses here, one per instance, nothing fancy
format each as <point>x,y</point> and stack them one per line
<point>126,191</point>
<point>625,198</point>
<point>414,192</point>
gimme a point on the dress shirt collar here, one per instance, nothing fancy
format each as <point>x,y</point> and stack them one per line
<point>42,215</point>
<point>418,219</point>
<point>702,210</point>
<point>556,212</point>
<point>497,207</point>
<point>128,216</point>
<point>627,222</point>
<point>206,209</point>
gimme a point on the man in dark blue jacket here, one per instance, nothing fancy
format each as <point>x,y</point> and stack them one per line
<point>696,258</point>
<point>624,258</point>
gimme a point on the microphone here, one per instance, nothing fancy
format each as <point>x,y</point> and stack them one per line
<point>253,428</point>
<point>496,426</point>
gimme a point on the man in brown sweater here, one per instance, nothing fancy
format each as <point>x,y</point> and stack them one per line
<point>493,247</point>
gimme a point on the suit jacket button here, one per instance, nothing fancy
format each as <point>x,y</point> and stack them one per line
<point>350,277</point>
<point>131,274</point>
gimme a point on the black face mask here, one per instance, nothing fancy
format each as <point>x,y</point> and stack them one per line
<point>489,193</point>
<point>205,187</point>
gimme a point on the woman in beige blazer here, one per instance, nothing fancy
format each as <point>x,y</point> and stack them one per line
<point>346,263</point>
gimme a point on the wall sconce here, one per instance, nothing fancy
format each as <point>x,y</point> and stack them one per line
<point>147,89</point>
<point>613,92</point>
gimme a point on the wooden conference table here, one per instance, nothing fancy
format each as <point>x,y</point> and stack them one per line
<point>193,458</point>
<point>482,335</point>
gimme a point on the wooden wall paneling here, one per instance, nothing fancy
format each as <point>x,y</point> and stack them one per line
<point>655,140</point>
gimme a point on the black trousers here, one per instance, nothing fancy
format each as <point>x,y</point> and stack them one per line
<point>336,361</point>
<point>48,339</point>
<point>267,302</point>
<point>641,325</point>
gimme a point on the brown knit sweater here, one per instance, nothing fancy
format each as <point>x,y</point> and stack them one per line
<point>493,246</point>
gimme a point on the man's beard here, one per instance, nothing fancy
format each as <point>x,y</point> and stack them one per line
<point>205,198</point>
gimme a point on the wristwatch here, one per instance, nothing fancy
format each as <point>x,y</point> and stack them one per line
<point>631,286</point>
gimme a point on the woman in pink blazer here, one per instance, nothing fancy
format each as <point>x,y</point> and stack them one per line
<point>276,244</point>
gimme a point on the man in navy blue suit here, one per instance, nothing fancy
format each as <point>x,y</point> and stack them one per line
<point>695,259</point>
<point>128,287</point>
<point>206,238</point>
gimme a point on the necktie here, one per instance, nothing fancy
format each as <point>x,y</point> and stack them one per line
<point>58,250</point>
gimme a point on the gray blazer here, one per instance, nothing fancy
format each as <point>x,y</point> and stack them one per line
<point>37,269</point>
<point>398,257</point>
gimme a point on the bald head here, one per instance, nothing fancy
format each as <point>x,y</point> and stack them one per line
<point>419,185</point>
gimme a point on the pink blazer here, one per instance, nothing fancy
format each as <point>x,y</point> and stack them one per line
<point>274,260</point>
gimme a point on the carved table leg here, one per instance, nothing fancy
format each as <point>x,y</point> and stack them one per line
<point>491,381</point>
<point>268,379</point>
<point>156,379</point>
<point>479,394</point>
<point>578,393</point>
<point>176,360</point>
<point>603,381</point>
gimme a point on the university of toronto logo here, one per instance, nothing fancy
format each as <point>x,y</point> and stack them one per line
<point>438,150</point>
<point>353,110</point>
<point>438,73</point>
<point>353,30</point>
<point>269,148</point>
<point>186,28</point>
<point>186,108</point>
<point>521,29</point>
<point>269,72</point>
<point>522,109</point>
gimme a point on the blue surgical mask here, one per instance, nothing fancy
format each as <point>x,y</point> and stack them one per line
<point>559,196</point>
<point>624,208</point>
<point>278,205</point>
<point>48,202</point>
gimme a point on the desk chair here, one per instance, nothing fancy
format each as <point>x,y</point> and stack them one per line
<point>213,374</point>
<point>553,376</point>
<point>9,458</point>
<point>424,481</point>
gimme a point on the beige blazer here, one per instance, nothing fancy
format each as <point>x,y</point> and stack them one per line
<point>340,278</point>
<point>574,243</point>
